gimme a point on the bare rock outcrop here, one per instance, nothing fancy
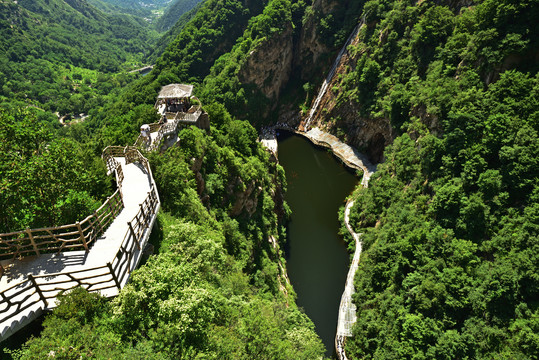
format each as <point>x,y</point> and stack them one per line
<point>342,118</point>
<point>245,200</point>
<point>310,48</point>
<point>269,65</point>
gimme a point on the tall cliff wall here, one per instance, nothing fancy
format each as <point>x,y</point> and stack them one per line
<point>339,115</point>
<point>303,53</point>
<point>269,65</point>
<point>394,50</point>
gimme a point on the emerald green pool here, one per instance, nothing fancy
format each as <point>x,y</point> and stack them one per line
<point>317,260</point>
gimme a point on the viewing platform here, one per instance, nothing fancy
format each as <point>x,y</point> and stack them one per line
<point>176,106</point>
<point>105,247</point>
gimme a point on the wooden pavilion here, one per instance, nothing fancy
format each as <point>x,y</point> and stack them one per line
<point>176,102</point>
<point>174,98</point>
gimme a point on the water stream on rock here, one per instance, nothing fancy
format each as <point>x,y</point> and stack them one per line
<point>330,75</point>
<point>317,259</point>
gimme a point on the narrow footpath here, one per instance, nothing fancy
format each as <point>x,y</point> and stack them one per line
<point>347,309</point>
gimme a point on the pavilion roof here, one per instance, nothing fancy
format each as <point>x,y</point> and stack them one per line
<point>175,91</point>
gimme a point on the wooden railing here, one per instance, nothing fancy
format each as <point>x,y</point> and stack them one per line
<point>165,129</point>
<point>154,127</point>
<point>124,261</point>
<point>79,235</point>
<point>40,288</point>
<point>109,155</point>
<point>171,126</point>
<point>18,298</point>
<point>76,236</point>
<point>141,140</point>
<point>132,155</point>
<point>45,288</point>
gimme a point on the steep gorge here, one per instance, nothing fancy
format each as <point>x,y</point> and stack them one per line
<point>299,55</point>
<point>364,106</point>
<point>450,222</point>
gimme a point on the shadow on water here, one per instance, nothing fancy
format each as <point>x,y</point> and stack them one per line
<point>317,259</point>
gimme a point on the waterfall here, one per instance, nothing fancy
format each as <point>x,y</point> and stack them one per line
<point>330,75</point>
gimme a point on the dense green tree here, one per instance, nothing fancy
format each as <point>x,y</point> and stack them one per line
<point>439,276</point>
<point>46,181</point>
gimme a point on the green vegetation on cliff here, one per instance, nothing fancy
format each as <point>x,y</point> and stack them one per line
<point>174,12</point>
<point>451,218</point>
<point>172,33</point>
<point>45,180</point>
<point>60,55</point>
<point>215,286</point>
<point>211,33</point>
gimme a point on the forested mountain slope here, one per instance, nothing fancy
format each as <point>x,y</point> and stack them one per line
<point>70,31</point>
<point>172,33</point>
<point>45,180</point>
<point>173,12</point>
<point>151,4</point>
<point>54,52</point>
<point>211,33</point>
<point>110,8</point>
<point>216,286</point>
<point>450,220</point>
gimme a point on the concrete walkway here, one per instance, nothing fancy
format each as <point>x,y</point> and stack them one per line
<point>347,309</point>
<point>135,188</point>
<point>350,156</point>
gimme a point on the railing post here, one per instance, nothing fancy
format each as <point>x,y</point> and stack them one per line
<point>82,237</point>
<point>114,277</point>
<point>118,202</point>
<point>110,208</point>
<point>29,232</point>
<point>38,290</point>
<point>99,226</point>
<point>121,198</point>
<point>142,211</point>
<point>134,234</point>
<point>152,201</point>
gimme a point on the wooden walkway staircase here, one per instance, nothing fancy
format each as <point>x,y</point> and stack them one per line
<point>103,249</point>
<point>160,132</point>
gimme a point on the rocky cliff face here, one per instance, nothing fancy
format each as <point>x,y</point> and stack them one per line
<point>342,119</point>
<point>269,65</point>
<point>310,50</point>
<point>270,68</point>
<point>245,200</point>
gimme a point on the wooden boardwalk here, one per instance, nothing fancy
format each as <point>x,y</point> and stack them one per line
<point>30,284</point>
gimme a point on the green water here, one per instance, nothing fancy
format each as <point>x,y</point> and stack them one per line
<point>317,259</point>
